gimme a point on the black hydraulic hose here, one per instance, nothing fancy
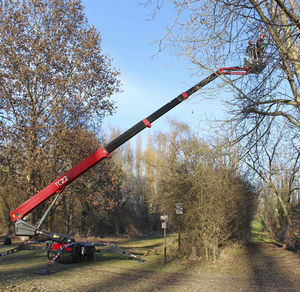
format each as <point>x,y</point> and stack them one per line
<point>164,109</point>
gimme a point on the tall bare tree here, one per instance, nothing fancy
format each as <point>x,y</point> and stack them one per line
<point>215,33</point>
<point>275,160</point>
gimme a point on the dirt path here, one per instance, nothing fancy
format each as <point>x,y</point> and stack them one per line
<point>252,267</point>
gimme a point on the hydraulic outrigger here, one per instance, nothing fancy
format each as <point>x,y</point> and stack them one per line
<point>64,248</point>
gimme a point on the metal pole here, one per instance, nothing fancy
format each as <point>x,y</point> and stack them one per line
<point>165,248</point>
<point>179,233</point>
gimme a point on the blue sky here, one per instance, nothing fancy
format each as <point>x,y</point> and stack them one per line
<point>148,82</point>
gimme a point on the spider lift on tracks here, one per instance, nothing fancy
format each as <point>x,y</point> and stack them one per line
<point>63,248</point>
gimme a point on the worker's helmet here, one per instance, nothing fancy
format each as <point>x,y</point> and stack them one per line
<point>261,37</point>
<point>250,42</point>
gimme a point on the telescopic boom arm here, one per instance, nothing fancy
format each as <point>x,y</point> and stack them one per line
<point>59,184</point>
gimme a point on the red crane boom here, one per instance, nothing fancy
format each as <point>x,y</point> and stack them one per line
<point>57,186</point>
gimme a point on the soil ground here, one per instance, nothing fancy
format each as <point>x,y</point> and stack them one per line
<point>257,266</point>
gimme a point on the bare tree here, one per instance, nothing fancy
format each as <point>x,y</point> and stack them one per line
<point>275,160</point>
<point>215,33</point>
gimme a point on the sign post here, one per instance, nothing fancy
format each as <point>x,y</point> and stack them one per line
<point>178,209</point>
<point>164,218</point>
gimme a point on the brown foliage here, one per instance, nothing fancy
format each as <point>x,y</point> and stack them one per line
<point>217,202</point>
<point>54,80</point>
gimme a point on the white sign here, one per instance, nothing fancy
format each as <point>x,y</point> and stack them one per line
<point>164,225</point>
<point>178,207</point>
<point>164,217</point>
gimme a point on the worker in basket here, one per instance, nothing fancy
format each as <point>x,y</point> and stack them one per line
<point>260,47</point>
<point>256,54</point>
<point>251,52</point>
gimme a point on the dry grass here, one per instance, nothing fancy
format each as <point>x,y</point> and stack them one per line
<point>254,267</point>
